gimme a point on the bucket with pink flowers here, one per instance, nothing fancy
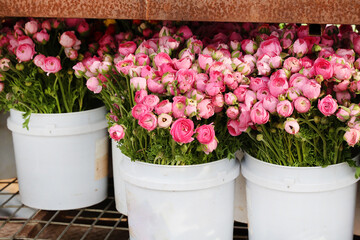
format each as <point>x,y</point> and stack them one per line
<point>58,128</point>
<point>167,116</point>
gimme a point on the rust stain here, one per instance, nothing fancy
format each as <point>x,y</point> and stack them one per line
<point>300,11</point>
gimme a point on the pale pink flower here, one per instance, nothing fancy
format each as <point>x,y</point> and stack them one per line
<point>68,39</point>
<point>327,105</point>
<point>182,130</point>
<point>151,101</point>
<point>311,89</point>
<point>39,61</point>
<point>342,71</point>
<point>218,100</point>
<point>42,37</point>
<point>117,132</point>
<point>256,83</point>
<point>186,79</point>
<point>300,47</point>
<point>262,93</point>
<point>93,85</point>
<point>248,46</point>
<point>162,58</point>
<point>164,120</point>
<point>138,83</point>
<point>178,106</point>
<point>270,47</point>
<point>297,80</point>
<point>347,54</point>
<point>148,121</point>
<point>352,136</point>
<point>354,110</point>
<point>230,98</point>
<point>275,62</point>
<point>140,95</point>
<point>213,88</point>
<point>164,106</point>
<point>232,112</point>
<point>184,63</point>
<point>285,108</point>
<point>51,65</point>
<point>343,114</point>
<point>263,68</point>
<point>205,61</point>
<point>302,104</point>
<point>79,67</point>
<point>71,53</point>
<point>291,126</point>
<point>155,85</point>
<point>25,52</point>
<point>240,93</point>
<point>250,98</point>
<point>292,64</point>
<point>343,96</point>
<point>293,93</point>
<point>138,110</point>
<point>31,27</point>
<point>208,148</point>
<point>205,109</point>
<point>124,66</point>
<point>259,115</point>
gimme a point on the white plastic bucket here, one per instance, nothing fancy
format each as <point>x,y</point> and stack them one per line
<point>62,160</point>
<point>180,202</point>
<point>240,206</point>
<point>7,158</point>
<point>299,203</point>
<point>119,183</point>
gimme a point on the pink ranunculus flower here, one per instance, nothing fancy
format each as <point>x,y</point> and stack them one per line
<point>269,103</point>
<point>71,53</point>
<point>270,47</point>
<point>151,101</point>
<point>263,68</point>
<point>42,37</point>
<point>291,126</point>
<point>293,93</point>
<point>127,48</point>
<point>83,27</point>
<point>164,120</point>
<point>186,79</point>
<point>278,86</point>
<point>297,80</point>
<point>124,66</point>
<point>302,104</point>
<point>148,121</point>
<point>208,148</point>
<point>352,136</point>
<point>205,61</point>
<point>93,85</point>
<point>234,127</point>
<point>311,89</point>
<point>51,65</point>
<point>2,86</point>
<point>256,83</point>
<point>262,93</point>
<point>213,88</point>
<point>184,63</point>
<point>182,130</point>
<point>155,85</point>
<point>343,96</point>
<point>327,105</point>
<point>248,46</point>
<point>68,39</point>
<point>218,100</point>
<point>292,64</point>
<point>356,43</point>
<point>250,98</point>
<point>31,27</point>
<point>142,59</point>
<point>39,61</point>
<point>185,32</point>
<point>164,106</point>
<point>259,115</point>
<point>178,106</point>
<point>285,108</point>
<point>343,114</point>
<point>230,98</point>
<point>324,68</point>
<point>25,52</point>
<point>240,93</point>
<point>138,110</point>
<point>140,95</point>
<point>232,112</point>
<point>162,58</point>
<point>275,62</point>
<point>205,109</point>
<point>347,54</point>
<point>205,133</point>
<point>342,71</point>
<point>300,47</point>
<point>138,83</point>
<point>117,132</point>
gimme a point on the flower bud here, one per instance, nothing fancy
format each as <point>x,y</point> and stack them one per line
<point>19,66</point>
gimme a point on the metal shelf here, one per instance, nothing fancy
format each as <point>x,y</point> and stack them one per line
<point>101,221</point>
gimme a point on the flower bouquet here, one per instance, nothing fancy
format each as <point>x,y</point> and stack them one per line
<point>167,111</point>
<point>65,128</point>
<point>300,110</point>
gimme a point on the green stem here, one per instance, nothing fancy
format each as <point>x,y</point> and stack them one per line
<point>63,95</point>
<point>274,148</point>
<point>56,96</point>
<point>298,150</point>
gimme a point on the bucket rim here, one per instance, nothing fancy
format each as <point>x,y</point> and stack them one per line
<point>61,114</point>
